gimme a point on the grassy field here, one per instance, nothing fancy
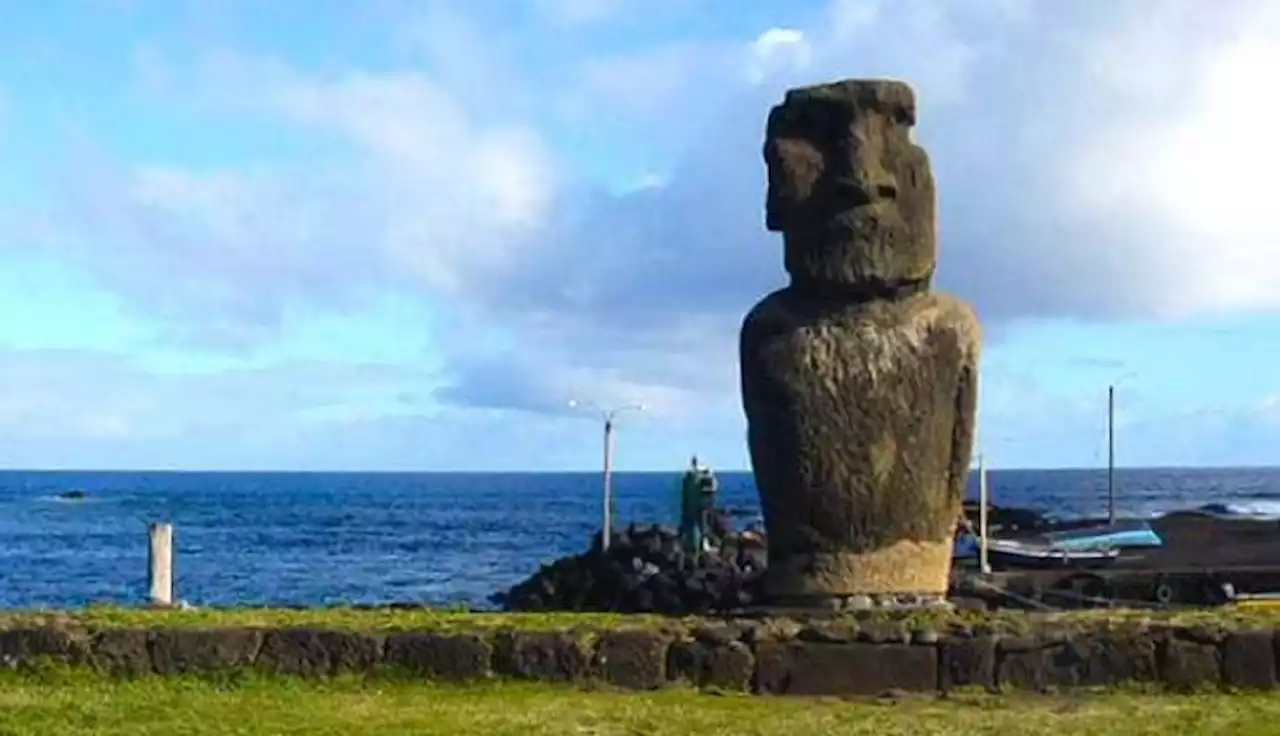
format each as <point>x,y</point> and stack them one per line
<point>68,700</point>
<point>69,703</point>
<point>444,620</point>
<point>349,619</point>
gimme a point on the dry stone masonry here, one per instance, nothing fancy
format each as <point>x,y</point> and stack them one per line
<point>782,656</point>
<point>859,384</point>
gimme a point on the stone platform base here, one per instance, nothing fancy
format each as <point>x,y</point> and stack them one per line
<point>891,602</point>
<point>774,656</point>
<point>904,568</point>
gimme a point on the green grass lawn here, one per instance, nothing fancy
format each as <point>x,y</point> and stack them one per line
<point>350,619</point>
<point>71,703</point>
<point>444,620</point>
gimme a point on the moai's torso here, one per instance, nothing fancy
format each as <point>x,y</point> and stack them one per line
<point>860,430</point>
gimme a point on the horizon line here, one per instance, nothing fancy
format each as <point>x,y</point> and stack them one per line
<point>581,471</point>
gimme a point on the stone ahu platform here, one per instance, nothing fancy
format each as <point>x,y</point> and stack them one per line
<point>796,655</point>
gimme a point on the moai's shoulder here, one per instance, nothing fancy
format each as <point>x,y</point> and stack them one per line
<point>943,314</point>
<point>943,309</point>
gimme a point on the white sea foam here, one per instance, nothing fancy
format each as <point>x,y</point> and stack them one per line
<point>1267,509</point>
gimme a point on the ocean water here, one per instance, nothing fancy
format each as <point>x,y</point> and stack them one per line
<point>328,538</point>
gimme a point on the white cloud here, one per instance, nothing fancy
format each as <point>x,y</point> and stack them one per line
<point>432,199</point>
<point>1085,169</point>
<point>932,43</point>
<point>778,51</point>
<point>457,193</point>
<point>99,410</point>
<point>1197,161</point>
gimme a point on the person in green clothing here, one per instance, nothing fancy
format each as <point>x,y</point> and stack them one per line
<point>707,488</point>
<point>690,508</point>
<point>697,500</point>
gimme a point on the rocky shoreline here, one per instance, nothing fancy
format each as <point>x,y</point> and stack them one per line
<point>646,571</point>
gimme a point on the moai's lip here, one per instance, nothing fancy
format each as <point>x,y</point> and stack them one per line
<point>838,201</point>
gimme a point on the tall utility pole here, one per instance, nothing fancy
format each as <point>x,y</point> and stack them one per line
<point>1111,454</point>
<point>984,497</point>
<point>608,415</point>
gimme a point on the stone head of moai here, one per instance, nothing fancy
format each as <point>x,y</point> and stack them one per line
<point>849,190</point>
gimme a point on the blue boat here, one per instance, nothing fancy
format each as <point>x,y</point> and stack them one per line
<point>1123,534</point>
<point>1085,547</point>
<point>1007,553</point>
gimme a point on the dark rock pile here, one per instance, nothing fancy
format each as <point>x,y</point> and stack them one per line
<point>645,571</point>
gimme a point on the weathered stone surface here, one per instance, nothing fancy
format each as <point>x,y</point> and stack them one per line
<point>1249,660</point>
<point>542,656</point>
<point>1021,664</point>
<point>1189,665</point>
<point>725,666</point>
<point>967,662</point>
<point>730,667</point>
<point>1111,658</point>
<point>636,660</point>
<point>803,668</point>
<point>849,190</point>
<point>821,661</point>
<point>25,646</point>
<point>720,633</point>
<point>860,387</point>
<point>461,658</point>
<point>123,652</point>
<point>860,429</point>
<point>1063,661</point>
<point>313,653</point>
<point>838,631</point>
<point>189,651</point>
<point>925,636</point>
<point>772,629</point>
<point>884,632</point>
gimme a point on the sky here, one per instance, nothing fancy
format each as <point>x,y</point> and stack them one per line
<point>392,235</point>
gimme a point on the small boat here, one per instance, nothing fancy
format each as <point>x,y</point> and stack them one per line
<point>1125,533</point>
<point>1006,553</point>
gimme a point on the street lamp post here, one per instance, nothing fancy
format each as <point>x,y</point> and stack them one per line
<point>608,416</point>
<point>1111,454</point>
<point>1111,446</point>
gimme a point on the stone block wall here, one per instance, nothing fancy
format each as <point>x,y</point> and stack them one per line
<point>787,658</point>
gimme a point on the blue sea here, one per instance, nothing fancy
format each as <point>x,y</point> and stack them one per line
<point>367,538</point>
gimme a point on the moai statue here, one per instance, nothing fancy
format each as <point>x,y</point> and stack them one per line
<point>859,384</point>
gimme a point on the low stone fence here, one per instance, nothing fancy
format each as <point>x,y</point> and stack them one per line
<point>773,657</point>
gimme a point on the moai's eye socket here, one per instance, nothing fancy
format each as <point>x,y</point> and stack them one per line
<point>801,163</point>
